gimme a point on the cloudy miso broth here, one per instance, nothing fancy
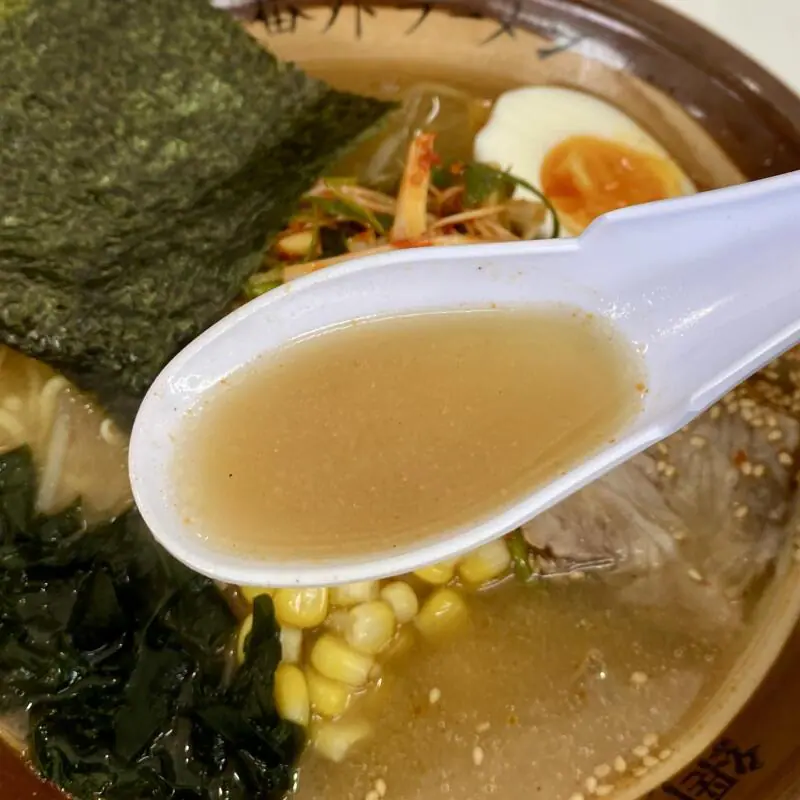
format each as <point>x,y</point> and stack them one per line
<point>389,431</point>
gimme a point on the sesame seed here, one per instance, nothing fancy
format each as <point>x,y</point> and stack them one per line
<point>649,761</point>
<point>664,754</point>
<point>758,422</point>
<point>477,756</point>
<point>697,441</point>
<point>741,512</point>
<point>650,740</point>
<point>604,790</point>
<point>679,535</point>
<point>372,795</point>
<point>577,796</point>
<point>785,459</point>
<point>434,696</point>
<point>747,402</point>
<point>640,751</point>
<point>639,678</point>
<point>695,575</point>
<point>662,448</point>
<point>716,412</point>
<point>759,470</point>
<point>577,575</point>
<point>639,771</point>
<point>483,727</point>
<point>732,408</point>
<point>669,471</point>
<point>746,467</point>
<point>775,435</point>
<point>591,784</point>
<point>661,465</point>
<point>380,787</point>
<point>602,770</point>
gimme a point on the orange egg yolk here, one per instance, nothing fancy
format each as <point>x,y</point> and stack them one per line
<point>585,176</point>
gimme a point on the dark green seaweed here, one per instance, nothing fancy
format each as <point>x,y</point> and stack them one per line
<point>120,653</point>
<point>148,150</point>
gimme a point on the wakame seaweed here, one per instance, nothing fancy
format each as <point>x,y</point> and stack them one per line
<point>149,151</point>
<point>120,653</point>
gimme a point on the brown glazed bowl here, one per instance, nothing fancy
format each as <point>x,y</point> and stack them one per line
<point>724,118</point>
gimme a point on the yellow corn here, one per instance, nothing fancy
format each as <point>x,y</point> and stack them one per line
<point>291,694</point>
<point>291,644</point>
<point>336,660</point>
<point>437,574</point>
<point>244,632</point>
<point>371,626</point>
<point>350,594</point>
<point>328,698</point>
<point>251,592</point>
<point>296,244</point>
<point>301,608</point>
<point>403,600</point>
<point>486,563</point>
<point>442,612</point>
<point>333,740</point>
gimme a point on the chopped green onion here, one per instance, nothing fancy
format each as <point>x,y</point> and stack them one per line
<point>519,550</point>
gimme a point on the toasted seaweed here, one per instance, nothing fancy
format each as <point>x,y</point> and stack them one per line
<point>148,150</point>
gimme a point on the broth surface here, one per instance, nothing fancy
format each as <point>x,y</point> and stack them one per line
<point>400,428</point>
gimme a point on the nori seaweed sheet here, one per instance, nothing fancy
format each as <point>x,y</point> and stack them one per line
<point>148,150</point>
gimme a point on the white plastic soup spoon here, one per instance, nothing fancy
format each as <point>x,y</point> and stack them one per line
<point>708,286</point>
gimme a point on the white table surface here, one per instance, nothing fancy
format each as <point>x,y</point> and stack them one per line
<point>768,30</point>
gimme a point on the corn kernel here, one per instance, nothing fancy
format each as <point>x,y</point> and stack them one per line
<point>442,613</point>
<point>402,644</point>
<point>336,660</point>
<point>486,563</point>
<point>301,608</point>
<point>297,244</point>
<point>291,644</point>
<point>291,694</point>
<point>403,600</point>
<point>437,574</point>
<point>244,632</point>
<point>350,594</point>
<point>251,592</point>
<point>328,698</point>
<point>371,626</point>
<point>333,740</point>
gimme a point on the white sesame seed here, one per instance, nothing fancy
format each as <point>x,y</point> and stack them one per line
<point>662,448</point>
<point>746,468</point>
<point>758,422</point>
<point>577,575</point>
<point>716,412</point>
<point>785,459</point>
<point>435,695</point>
<point>604,790</point>
<point>477,756</point>
<point>650,740</point>
<point>577,796</point>
<point>669,470</point>
<point>639,771</point>
<point>483,727</point>
<point>664,754</point>
<point>591,784</point>
<point>694,575</point>
<point>741,512</point>
<point>679,535</point>
<point>640,751</point>
<point>602,770</point>
<point>639,678</point>
<point>775,435</point>
<point>759,470</point>
<point>649,761</point>
<point>697,441</point>
<point>620,765</point>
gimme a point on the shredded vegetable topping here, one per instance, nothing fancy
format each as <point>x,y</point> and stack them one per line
<point>436,204</point>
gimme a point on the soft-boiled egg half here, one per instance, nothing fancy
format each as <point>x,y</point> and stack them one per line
<point>585,155</point>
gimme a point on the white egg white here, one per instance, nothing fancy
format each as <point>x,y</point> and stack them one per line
<point>525,124</point>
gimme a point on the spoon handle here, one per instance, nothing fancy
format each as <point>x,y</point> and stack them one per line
<point>718,274</point>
